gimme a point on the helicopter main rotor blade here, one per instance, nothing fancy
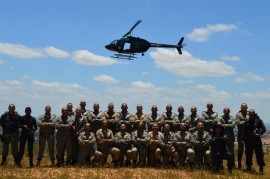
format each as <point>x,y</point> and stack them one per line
<point>133,27</point>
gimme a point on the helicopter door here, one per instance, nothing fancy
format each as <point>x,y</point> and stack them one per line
<point>127,46</point>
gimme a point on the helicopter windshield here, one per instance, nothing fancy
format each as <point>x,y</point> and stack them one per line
<point>114,42</point>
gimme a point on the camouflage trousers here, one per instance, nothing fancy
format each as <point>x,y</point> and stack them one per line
<point>87,153</point>
<point>203,157</point>
<point>186,154</point>
<point>142,152</point>
<point>169,154</point>
<point>10,138</point>
<point>43,138</point>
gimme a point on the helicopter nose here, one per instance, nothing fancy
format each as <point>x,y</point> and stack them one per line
<point>108,47</point>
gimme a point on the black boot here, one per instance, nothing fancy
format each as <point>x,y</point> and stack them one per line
<point>31,164</point>
<point>261,169</point>
<point>116,163</point>
<point>38,163</point>
<point>4,160</point>
<point>249,169</point>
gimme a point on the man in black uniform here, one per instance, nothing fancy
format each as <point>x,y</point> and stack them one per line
<point>28,125</point>
<point>10,124</point>
<point>218,143</point>
<point>253,130</point>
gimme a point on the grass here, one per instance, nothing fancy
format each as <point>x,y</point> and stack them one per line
<point>45,171</point>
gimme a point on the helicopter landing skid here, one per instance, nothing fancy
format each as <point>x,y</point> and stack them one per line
<point>124,56</point>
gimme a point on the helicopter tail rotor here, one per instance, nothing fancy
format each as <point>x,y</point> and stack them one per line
<point>180,45</point>
<point>133,27</point>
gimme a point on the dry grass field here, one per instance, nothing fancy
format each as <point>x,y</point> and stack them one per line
<point>45,171</point>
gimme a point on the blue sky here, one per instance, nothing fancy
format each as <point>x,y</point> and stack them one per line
<point>52,52</point>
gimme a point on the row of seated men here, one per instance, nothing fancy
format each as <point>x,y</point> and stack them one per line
<point>72,126</point>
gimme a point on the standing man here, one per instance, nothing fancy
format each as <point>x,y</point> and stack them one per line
<point>70,110</point>
<point>10,124</point>
<point>240,119</point>
<point>123,143</point>
<point>192,120</point>
<point>183,146</point>
<point>154,117</point>
<point>46,125</point>
<point>78,123</point>
<point>28,125</point>
<point>87,141</point>
<point>111,116</point>
<point>63,137</point>
<point>200,141</point>
<point>253,130</point>
<point>125,117</point>
<point>228,122</point>
<point>139,116</point>
<point>105,141</point>
<point>209,118</point>
<point>96,118</point>
<point>85,112</point>
<point>181,117</point>
<point>168,117</point>
<point>139,140</point>
<point>154,139</point>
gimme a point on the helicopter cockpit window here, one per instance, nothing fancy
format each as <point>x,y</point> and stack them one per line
<point>114,42</point>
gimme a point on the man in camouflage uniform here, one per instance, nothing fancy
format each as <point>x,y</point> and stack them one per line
<point>209,118</point>
<point>78,123</point>
<point>111,117</point>
<point>154,117</point>
<point>170,155</point>
<point>139,116</point>
<point>179,118</point>
<point>228,122</point>
<point>105,141</point>
<point>10,124</point>
<point>96,118</point>
<point>200,141</point>
<point>85,112</point>
<point>125,117</point>
<point>139,140</point>
<point>154,139</point>
<point>192,120</point>
<point>28,125</point>
<point>63,124</point>
<point>87,141</point>
<point>46,125</point>
<point>183,145</point>
<point>123,143</point>
<point>168,116</point>
<point>240,119</point>
<point>70,110</point>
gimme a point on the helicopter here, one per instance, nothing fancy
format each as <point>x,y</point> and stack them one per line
<point>136,45</point>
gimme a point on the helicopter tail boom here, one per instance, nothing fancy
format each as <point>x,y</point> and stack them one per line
<point>178,46</point>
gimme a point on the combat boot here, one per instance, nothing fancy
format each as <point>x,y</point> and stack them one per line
<point>261,169</point>
<point>38,163</point>
<point>127,163</point>
<point>249,169</point>
<point>31,164</point>
<point>158,163</point>
<point>52,163</point>
<point>116,163</point>
<point>4,160</point>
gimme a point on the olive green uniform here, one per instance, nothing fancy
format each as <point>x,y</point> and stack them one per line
<point>154,150</point>
<point>183,145</point>
<point>46,125</point>
<point>139,140</point>
<point>63,138</point>
<point>105,141</point>
<point>123,143</point>
<point>200,142</point>
<point>209,119</point>
<point>86,148</point>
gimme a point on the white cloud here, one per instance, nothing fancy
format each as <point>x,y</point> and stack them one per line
<point>2,62</point>
<point>85,57</point>
<point>202,34</point>
<point>21,51</point>
<point>229,58</point>
<point>141,84</point>
<point>54,52</point>
<point>189,66</point>
<point>106,79</point>
<point>249,77</point>
<point>184,81</point>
